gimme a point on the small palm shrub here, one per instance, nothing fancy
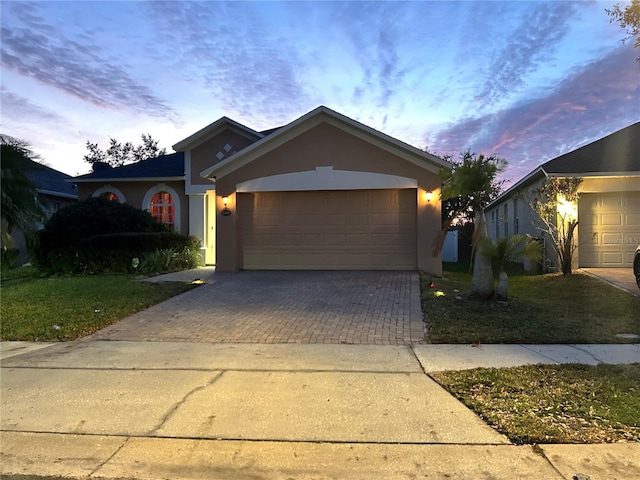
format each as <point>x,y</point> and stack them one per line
<point>506,249</point>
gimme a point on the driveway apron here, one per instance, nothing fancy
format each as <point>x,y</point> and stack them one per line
<point>352,307</point>
<point>621,278</point>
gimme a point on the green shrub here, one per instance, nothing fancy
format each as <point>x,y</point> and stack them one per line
<point>101,236</point>
<point>170,260</point>
<point>139,241</point>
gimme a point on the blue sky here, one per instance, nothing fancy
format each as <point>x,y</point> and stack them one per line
<point>527,81</point>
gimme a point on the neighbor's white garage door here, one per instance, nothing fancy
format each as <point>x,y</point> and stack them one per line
<point>613,220</point>
<point>329,230</point>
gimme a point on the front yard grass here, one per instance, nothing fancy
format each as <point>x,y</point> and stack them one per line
<point>37,308</point>
<point>553,403</point>
<point>549,308</point>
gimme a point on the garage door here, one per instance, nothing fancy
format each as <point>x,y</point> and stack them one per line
<point>329,230</point>
<point>613,220</point>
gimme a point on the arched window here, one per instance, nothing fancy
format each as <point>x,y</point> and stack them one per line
<point>110,193</point>
<point>163,208</point>
<point>163,202</point>
<point>110,196</point>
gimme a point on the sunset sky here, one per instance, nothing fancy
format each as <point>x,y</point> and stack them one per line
<point>527,81</point>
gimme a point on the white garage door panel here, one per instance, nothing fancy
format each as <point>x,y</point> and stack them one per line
<point>329,230</point>
<point>612,222</point>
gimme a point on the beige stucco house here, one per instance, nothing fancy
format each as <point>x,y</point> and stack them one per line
<point>323,192</point>
<point>608,209</point>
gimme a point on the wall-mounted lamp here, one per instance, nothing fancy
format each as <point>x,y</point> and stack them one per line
<point>225,211</point>
<point>567,209</point>
<point>428,196</point>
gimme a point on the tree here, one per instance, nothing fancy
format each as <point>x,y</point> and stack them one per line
<point>472,181</point>
<point>555,205</point>
<point>506,249</point>
<point>21,206</point>
<point>629,20</point>
<point>119,154</point>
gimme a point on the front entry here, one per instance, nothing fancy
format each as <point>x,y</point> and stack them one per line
<point>210,226</point>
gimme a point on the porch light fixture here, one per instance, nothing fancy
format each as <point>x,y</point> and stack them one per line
<point>225,210</point>
<point>428,196</point>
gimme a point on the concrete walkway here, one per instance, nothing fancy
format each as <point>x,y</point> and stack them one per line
<point>151,410</point>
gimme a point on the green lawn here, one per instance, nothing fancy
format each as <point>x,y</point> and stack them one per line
<point>553,403</point>
<point>68,307</point>
<point>549,308</point>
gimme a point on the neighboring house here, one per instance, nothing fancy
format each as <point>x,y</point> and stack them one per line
<point>55,192</point>
<point>608,209</point>
<point>323,192</point>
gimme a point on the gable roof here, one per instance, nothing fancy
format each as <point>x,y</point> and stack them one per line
<point>319,115</point>
<point>165,167</point>
<point>51,182</point>
<point>617,154</point>
<point>210,130</point>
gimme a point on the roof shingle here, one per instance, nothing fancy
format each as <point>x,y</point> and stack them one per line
<point>165,166</point>
<point>617,152</point>
<point>47,179</point>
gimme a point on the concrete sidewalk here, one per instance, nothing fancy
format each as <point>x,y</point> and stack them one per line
<point>147,410</point>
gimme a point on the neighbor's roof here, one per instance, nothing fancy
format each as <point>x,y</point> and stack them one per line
<point>616,153</point>
<point>51,182</point>
<point>165,167</point>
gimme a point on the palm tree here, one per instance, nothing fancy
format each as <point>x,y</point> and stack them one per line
<point>473,181</point>
<point>21,207</point>
<point>506,249</point>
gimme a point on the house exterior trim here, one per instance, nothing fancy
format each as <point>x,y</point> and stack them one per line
<point>57,194</point>
<point>596,175</point>
<point>130,179</point>
<point>109,188</point>
<point>325,178</point>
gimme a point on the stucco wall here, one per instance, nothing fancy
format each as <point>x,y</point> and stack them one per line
<point>327,145</point>
<point>204,155</point>
<point>134,193</point>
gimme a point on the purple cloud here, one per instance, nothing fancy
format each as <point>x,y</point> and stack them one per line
<point>375,32</point>
<point>251,70</point>
<point>593,101</point>
<point>19,109</point>
<point>534,41</point>
<point>35,49</point>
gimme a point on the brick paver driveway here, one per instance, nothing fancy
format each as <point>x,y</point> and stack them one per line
<point>285,307</point>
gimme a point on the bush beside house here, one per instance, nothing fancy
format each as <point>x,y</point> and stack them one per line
<point>102,236</point>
